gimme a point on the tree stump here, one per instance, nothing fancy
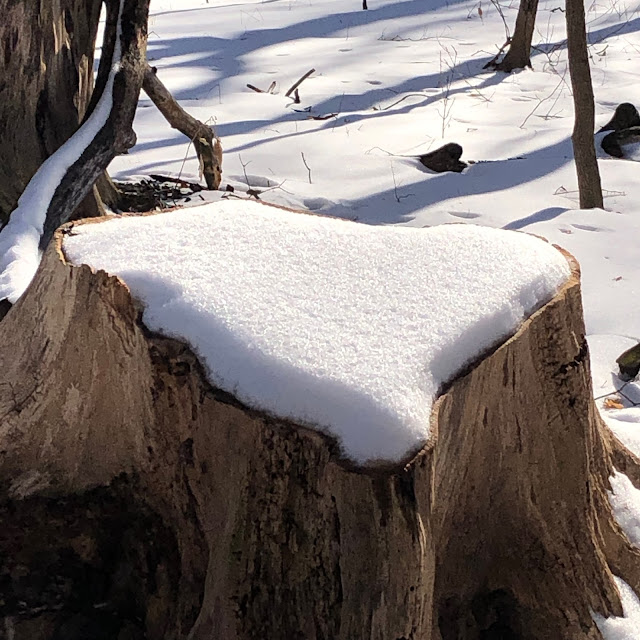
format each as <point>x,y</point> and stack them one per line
<point>138,501</point>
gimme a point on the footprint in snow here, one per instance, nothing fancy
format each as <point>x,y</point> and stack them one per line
<point>315,204</point>
<point>588,227</point>
<point>467,215</point>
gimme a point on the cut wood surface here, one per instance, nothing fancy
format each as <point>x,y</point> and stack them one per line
<point>138,498</point>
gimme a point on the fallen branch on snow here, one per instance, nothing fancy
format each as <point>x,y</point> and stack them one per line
<point>295,85</point>
<point>207,145</point>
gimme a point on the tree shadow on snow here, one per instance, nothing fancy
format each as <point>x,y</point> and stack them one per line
<point>401,203</point>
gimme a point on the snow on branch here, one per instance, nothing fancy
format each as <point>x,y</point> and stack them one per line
<point>65,178</point>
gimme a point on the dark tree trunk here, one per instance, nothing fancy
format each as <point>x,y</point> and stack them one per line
<point>116,135</point>
<point>519,54</point>
<point>583,142</point>
<point>46,80</point>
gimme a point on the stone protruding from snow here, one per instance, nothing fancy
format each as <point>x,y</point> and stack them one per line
<point>346,327</point>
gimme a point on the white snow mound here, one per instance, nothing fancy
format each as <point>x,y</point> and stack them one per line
<point>625,502</point>
<point>625,627</point>
<point>346,327</point>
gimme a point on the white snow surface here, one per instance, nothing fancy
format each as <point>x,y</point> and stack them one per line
<point>20,237</point>
<point>625,502</point>
<point>623,418</point>
<point>349,327</point>
<point>626,627</point>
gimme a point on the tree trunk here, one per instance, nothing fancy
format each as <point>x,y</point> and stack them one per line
<point>46,72</point>
<point>519,54</point>
<point>583,142</point>
<point>138,501</point>
<point>116,135</point>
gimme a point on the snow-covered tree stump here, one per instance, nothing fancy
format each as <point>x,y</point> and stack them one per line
<point>138,501</point>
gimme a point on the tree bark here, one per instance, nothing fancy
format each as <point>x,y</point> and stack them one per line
<point>136,497</point>
<point>583,142</point>
<point>519,54</point>
<point>116,135</point>
<point>46,78</point>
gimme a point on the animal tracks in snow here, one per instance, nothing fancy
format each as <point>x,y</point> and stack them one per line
<point>588,227</point>
<point>467,215</point>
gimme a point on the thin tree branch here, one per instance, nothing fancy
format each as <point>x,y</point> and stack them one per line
<point>297,84</point>
<point>204,140</point>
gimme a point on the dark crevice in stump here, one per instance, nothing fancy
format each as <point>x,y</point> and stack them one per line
<point>100,565</point>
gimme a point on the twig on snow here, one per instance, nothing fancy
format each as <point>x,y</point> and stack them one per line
<point>244,170</point>
<point>496,4</point>
<point>306,165</point>
<point>562,80</point>
<point>494,61</point>
<point>295,85</point>
<point>395,186</point>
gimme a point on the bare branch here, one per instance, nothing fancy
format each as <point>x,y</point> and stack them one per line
<point>306,165</point>
<point>297,84</point>
<point>204,140</point>
<point>116,136</point>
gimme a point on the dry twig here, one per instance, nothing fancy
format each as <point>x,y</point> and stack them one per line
<point>306,165</point>
<point>295,85</point>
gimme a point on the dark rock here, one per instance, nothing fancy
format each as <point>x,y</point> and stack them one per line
<point>625,116</point>
<point>446,158</point>
<point>629,362</point>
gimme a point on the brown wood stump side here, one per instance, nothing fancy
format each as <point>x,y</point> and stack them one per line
<point>163,508</point>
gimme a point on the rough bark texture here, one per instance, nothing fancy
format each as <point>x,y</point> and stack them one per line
<point>583,143</point>
<point>46,77</point>
<point>116,136</point>
<point>142,497</point>
<point>519,54</point>
<point>206,144</point>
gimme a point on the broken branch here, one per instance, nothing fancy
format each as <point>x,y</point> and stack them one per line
<point>297,84</point>
<point>206,144</point>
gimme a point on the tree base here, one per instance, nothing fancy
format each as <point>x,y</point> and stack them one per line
<point>240,525</point>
